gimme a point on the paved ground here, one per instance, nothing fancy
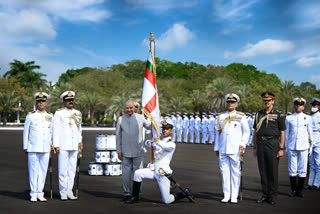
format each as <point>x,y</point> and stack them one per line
<point>195,166</point>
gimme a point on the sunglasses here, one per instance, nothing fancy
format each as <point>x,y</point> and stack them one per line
<point>231,102</point>
<point>41,101</point>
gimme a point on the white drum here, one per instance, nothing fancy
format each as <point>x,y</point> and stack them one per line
<point>114,157</point>
<point>95,168</point>
<point>113,169</point>
<point>103,157</point>
<point>111,142</point>
<point>101,142</point>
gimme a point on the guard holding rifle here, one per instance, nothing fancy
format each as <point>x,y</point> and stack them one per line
<point>37,137</point>
<point>67,140</point>
<point>269,137</point>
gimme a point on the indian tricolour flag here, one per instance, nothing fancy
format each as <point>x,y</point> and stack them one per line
<point>150,103</point>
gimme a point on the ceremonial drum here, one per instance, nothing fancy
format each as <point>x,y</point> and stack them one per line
<point>103,156</point>
<point>111,142</point>
<point>114,157</point>
<point>95,169</point>
<point>113,169</point>
<point>101,142</point>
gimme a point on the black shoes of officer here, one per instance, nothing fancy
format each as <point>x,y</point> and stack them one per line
<point>188,193</point>
<point>293,184</point>
<point>179,195</point>
<point>263,198</point>
<point>300,187</point>
<point>135,193</point>
<point>126,197</point>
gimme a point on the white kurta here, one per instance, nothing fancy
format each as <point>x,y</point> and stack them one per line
<point>37,137</point>
<point>67,136</point>
<point>164,150</point>
<point>298,132</point>
<point>234,134</point>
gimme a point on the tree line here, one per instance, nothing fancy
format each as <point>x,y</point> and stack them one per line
<point>185,87</point>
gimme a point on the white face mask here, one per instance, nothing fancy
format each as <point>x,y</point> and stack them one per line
<point>314,109</point>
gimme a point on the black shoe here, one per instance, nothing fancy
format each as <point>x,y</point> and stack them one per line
<point>132,200</point>
<point>126,197</point>
<point>188,193</point>
<point>292,194</point>
<point>272,201</point>
<point>262,199</point>
<point>300,194</point>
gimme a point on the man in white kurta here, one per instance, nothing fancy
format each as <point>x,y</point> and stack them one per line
<point>67,140</point>
<point>211,127</point>
<point>191,128</point>
<point>185,126</point>
<point>197,127</point>
<point>232,133</point>
<point>164,150</point>
<point>314,159</point>
<point>37,138</point>
<point>298,141</point>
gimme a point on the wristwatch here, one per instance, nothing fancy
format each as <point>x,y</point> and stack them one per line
<point>281,148</point>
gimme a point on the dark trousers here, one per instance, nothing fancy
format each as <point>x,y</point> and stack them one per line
<point>268,164</point>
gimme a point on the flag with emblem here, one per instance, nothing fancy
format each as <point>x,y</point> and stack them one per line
<point>150,103</point>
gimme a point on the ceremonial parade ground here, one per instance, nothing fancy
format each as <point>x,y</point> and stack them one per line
<point>194,165</point>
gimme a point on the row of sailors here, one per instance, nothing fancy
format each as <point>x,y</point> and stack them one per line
<point>190,128</point>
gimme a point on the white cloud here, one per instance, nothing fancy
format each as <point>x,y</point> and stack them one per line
<point>162,5</point>
<point>43,50</point>
<point>308,61</point>
<point>177,36</point>
<point>232,10</point>
<point>71,10</point>
<point>27,23</point>
<point>306,14</point>
<point>264,47</point>
<point>102,58</point>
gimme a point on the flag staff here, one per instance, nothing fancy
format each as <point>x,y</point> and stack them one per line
<point>152,46</point>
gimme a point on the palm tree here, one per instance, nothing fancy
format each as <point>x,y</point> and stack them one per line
<point>117,105</point>
<point>196,99</point>
<point>243,92</point>
<point>8,103</point>
<point>287,89</point>
<point>176,104</point>
<point>26,75</point>
<point>216,91</point>
<point>91,100</point>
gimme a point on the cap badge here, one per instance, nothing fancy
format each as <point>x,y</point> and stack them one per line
<point>69,94</point>
<point>299,99</point>
<point>230,96</point>
<point>165,123</point>
<point>40,94</point>
<point>267,95</point>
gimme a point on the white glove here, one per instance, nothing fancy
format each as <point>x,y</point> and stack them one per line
<point>148,143</point>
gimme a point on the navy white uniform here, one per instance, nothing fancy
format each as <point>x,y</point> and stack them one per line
<point>204,129</point>
<point>314,159</point>
<point>67,134</point>
<point>179,124</point>
<point>174,121</point>
<point>232,131</point>
<point>211,128</point>
<point>191,128</point>
<point>185,125</point>
<point>37,138</point>
<point>250,123</point>
<point>197,127</point>
<point>164,150</point>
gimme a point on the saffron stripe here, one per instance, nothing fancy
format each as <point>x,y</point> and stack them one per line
<point>151,105</point>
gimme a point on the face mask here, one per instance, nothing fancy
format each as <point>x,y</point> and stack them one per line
<point>314,109</point>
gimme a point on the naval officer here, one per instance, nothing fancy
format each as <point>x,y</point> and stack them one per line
<point>67,140</point>
<point>232,134</point>
<point>37,138</point>
<point>164,150</point>
<point>298,141</point>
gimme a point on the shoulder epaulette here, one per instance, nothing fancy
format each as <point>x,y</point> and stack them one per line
<point>50,113</point>
<point>241,113</point>
<point>32,112</point>
<point>60,109</point>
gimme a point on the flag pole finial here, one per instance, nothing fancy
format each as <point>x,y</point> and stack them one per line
<point>152,37</point>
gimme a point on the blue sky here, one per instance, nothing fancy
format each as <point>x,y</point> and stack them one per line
<point>281,37</point>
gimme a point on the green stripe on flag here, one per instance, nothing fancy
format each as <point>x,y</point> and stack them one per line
<point>149,66</point>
